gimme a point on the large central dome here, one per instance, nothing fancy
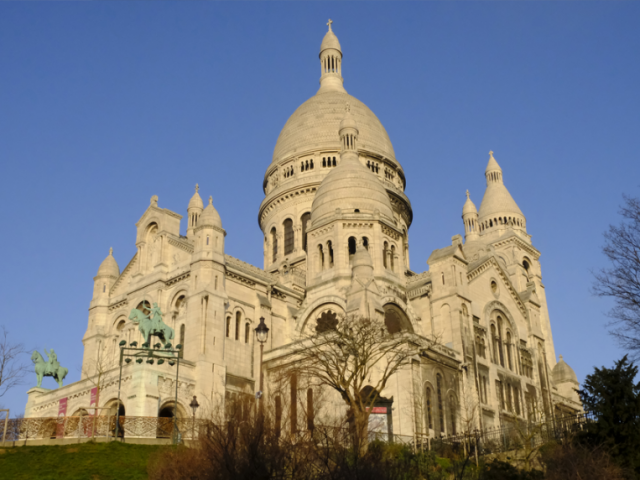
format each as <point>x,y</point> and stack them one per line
<point>314,125</point>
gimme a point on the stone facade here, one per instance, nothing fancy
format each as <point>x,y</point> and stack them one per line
<point>335,221</point>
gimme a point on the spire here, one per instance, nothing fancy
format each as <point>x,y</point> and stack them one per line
<point>493,171</point>
<point>194,210</point>
<point>330,62</point>
<point>470,219</point>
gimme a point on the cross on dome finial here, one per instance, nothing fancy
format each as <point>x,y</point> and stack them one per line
<point>467,193</point>
<point>491,153</point>
<point>197,187</point>
<point>560,357</point>
<point>329,24</point>
<point>210,200</point>
<point>111,251</point>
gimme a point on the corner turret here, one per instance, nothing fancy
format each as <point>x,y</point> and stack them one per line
<point>108,273</point>
<point>194,210</point>
<point>470,219</point>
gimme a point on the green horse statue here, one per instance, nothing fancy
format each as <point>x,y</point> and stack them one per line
<point>49,368</point>
<point>152,324</point>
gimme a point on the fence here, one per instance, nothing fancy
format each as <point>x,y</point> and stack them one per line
<point>516,435</point>
<point>39,428</point>
<point>511,436</point>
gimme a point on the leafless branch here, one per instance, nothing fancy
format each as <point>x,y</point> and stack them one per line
<point>12,366</point>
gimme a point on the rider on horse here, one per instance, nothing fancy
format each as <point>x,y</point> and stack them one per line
<point>52,362</point>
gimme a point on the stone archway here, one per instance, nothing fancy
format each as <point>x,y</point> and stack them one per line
<point>395,319</point>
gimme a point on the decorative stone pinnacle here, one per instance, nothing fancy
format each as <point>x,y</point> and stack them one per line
<point>561,357</point>
<point>111,251</point>
<point>491,153</point>
<point>467,193</point>
<point>197,188</point>
<point>329,24</point>
<point>210,200</point>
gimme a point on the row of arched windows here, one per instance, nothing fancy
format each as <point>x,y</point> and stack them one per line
<point>389,256</point>
<point>373,166</point>
<point>503,346</point>
<point>435,403</point>
<point>328,162</point>
<point>293,409</point>
<point>511,221</point>
<point>289,171</point>
<point>331,64</point>
<point>238,331</point>
<point>509,397</point>
<point>306,165</point>
<point>494,176</point>
<point>289,236</point>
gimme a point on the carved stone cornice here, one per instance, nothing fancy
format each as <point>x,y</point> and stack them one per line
<point>120,304</point>
<point>524,246</point>
<point>178,278</point>
<point>182,245</point>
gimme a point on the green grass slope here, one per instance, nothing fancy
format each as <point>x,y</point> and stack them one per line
<point>87,461</point>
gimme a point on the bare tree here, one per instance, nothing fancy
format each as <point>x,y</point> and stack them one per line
<point>621,281</point>
<point>12,367</point>
<point>355,357</point>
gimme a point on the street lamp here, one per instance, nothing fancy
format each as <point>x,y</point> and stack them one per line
<point>194,406</point>
<point>262,333</point>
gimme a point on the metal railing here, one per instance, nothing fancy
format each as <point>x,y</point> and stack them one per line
<point>88,426</point>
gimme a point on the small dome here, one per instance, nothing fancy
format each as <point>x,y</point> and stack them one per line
<point>469,206</point>
<point>210,216</point>
<point>352,188</point>
<point>563,373</point>
<point>196,201</point>
<point>330,40</point>
<point>109,266</point>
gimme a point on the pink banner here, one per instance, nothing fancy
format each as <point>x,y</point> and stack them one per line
<point>62,412</point>
<point>378,409</point>
<point>62,407</point>
<point>94,397</point>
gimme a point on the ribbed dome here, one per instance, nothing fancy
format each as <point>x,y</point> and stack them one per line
<point>469,206</point>
<point>350,187</point>
<point>210,216</point>
<point>196,201</point>
<point>497,199</point>
<point>563,373</point>
<point>109,266</point>
<point>315,125</point>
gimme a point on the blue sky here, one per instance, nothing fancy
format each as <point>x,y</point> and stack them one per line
<point>103,105</point>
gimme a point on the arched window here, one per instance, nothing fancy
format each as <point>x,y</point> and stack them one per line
<point>508,348</point>
<point>428,401</point>
<point>330,253</point>
<point>324,162</point>
<point>182,338</point>
<point>452,414</point>
<point>320,258</point>
<point>274,245</point>
<point>440,407</point>
<point>238,315</point>
<point>288,236</point>
<point>500,341</point>
<point>304,220</point>
<point>104,287</point>
<point>311,164</point>
<point>334,161</point>
<point>365,242</point>
<point>278,415</point>
<point>385,248</point>
<point>352,246</point>
<point>207,239</point>
<point>443,278</point>
<point>494,339</point>
<point>228,326</point>
<point>247,332</point>
<point>293,408</point>
<point>310,412</point>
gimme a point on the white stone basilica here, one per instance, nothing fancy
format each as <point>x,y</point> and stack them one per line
<point>335,221</point>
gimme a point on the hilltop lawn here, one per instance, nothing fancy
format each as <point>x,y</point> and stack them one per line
<point>87,461</point>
